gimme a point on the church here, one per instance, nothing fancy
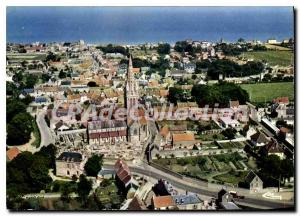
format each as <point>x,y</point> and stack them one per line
<point>137,128</point>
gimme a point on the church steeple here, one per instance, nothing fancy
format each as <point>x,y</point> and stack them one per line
<point>130,67</point>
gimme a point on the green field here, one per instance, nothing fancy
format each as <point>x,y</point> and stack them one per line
<point>262,92</point>
<point>282,58</point>
<point>232,177</point>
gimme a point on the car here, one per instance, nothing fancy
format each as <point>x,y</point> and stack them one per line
<point>235,195</point>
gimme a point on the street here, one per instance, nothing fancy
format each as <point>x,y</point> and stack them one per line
<point>46,135</point>
<point>197,187</point>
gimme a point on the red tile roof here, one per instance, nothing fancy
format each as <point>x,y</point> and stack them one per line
<point>284,100</point>
<point>135,70</point>
<point>183,137</point>
<point>122,171</point>
<point>163,201</point>
<point>12,153</point>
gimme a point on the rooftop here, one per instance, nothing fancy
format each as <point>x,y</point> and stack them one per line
<point>12,153</point>
<point>186,199</point>
<point>163,201</point>
<point>70,157</point>
<point>183,137</point>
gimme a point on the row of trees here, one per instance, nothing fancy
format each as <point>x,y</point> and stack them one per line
<point>159,66</point>
<point>114,49</point>
<point>184,46</point>
<point>231,49</point>
<point>219,93</point>
<point>231,69</point>
<point>164,48</point>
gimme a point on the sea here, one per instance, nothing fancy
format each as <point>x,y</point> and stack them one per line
<point>135,25</point>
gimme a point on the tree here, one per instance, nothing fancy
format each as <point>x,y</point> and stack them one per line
<point>287,168</point>
<point>19,129</point>
<point>18,76</point>
<point>66,190</point>
<point>12,90</point>
<point>229,133</point>
<point>241,40</point>
<point>137,62</point>
<point>83,188</point>
<point>14,107</point>
<point>163,48</point>
<point>39,172</point>
<point>31,80</point>
<point>273,114</point>
<point>93,165</point>
<point>52,57</point>
<point>22,50</point>
<point>92,84</point>
<point>49,153</point>
<point>27,173</point>
<point>62,74</point>
<point>114,49</point>
<point>45,77</point>
<point>175,95</point>
<point>27,100</point>
<point>219,93</point>
<point>231,69</point>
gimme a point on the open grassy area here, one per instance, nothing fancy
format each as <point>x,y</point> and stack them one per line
<point>232,177</point>
<point>282,58</point>
<point>26,56</point>
<point>37,135</point>
<point>262,92</point>
<point>140,53</point>
<point>277,47</point>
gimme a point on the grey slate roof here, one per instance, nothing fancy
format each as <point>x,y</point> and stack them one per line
<point>186,199</point>
<point>70,157</point>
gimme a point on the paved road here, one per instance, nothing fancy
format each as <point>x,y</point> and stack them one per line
<point>46,135</point>
<point>147,170</point>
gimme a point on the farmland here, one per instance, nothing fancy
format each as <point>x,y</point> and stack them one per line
<point>273,57</point>
<point>261,92</point>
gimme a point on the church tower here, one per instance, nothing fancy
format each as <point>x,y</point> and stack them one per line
<point>132,100</point>
<point>132,88</point>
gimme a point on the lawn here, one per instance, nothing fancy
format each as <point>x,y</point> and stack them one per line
<point>277,47</point>
<point>262,92</point>
<point>37,135</point>
<point>282,58</point>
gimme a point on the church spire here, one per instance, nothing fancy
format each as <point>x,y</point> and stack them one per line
<point>130,73</point>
